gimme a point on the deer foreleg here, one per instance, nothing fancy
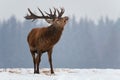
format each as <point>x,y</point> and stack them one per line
<point>50,60</point>
<point>33,56</point>
<point>38,59</point>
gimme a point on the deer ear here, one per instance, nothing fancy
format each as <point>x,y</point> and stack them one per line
<point>49,21</point>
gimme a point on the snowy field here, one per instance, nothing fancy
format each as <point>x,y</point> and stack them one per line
<point>60,74</point>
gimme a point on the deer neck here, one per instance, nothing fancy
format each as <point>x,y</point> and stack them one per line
<point>54,33</point>
<point>55,30</point>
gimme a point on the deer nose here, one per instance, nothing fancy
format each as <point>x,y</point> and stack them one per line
<point>66,18</point>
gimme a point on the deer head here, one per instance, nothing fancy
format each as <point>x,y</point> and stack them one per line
<point>51,18</point>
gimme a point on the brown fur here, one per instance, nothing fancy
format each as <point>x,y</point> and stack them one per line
<point>43,39</point>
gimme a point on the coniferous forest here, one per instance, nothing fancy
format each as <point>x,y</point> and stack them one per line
<point>83,44</point>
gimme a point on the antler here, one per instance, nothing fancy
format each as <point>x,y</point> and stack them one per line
<point>60,13</point>
<point>34,16</point>
<point>50,17</point>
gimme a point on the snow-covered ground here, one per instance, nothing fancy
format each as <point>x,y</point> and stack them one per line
<point>60,74</point>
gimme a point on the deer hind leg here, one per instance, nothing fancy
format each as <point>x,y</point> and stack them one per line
<point>50,60</point>
<point>38,60</point>
<point>34,62</point>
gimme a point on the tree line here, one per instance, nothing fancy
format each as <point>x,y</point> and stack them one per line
<point>84,44</point>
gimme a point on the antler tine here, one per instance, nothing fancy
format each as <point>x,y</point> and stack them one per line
<point>41,12</point>
<point>62,10</point>
<point>31,15</point>
<point>61,13</point>
<point>54,12</point>
<point>51,15</point>
<point>30,11</point>
<point>58,12</point>
<point>48,13</point>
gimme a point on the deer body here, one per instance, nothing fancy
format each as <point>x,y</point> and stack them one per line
<point>43,39</point>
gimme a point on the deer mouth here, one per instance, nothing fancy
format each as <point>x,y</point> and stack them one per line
<point>66,19</point>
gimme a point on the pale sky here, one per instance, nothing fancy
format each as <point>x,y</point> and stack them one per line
<point>93,9</point>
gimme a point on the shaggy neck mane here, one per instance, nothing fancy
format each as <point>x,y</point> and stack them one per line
<point>53,34</point>
<point>54,30</point>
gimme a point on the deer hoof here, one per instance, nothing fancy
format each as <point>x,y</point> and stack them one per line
<point>52,72</point>
<point>36,72</point>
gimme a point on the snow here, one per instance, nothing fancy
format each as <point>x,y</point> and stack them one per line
<point>60,74</point>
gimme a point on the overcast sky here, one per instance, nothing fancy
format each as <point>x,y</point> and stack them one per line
<point>92,9</point>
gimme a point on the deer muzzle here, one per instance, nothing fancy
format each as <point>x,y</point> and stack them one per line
<point>66,18</point>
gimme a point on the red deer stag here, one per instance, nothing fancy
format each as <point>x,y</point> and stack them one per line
<point>43,39</point>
